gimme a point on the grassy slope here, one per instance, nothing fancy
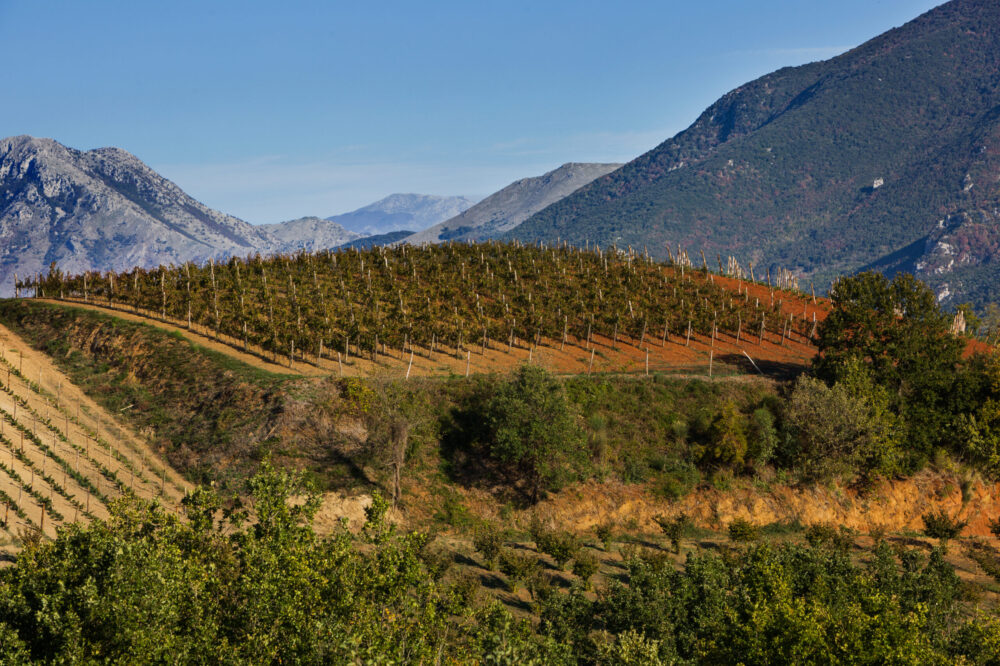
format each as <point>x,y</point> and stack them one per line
<point>214,417</point>
<point>207,413</point>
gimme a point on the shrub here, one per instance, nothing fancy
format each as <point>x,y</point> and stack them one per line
<point>437,560</point>
<point>605,533</point>
<point>680,477</point>
<point>560,545</point>
<point>742,530</point>
<point>762,437</point>
<point>995,527</point>
<point>826,534</point>
<point>518,567</point>
<point>675,528</point>
<point>585,565</point>
<point>534,431</point>
<point>727,443</point>
<point>840,430</point>
<point>941,526</point>
<point>488,540</point>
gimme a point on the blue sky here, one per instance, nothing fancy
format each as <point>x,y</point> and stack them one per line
<point>274,110</point>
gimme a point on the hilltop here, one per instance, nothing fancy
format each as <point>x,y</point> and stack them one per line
<point>884,156</point>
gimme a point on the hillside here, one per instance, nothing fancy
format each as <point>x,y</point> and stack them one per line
<point>102,209</point>
<point>354,311</point>
<point>400,212</point>
<point>884,156</point>
<point>309,233</point>
<point>64,458</point>
<point>379,239</point>
<point>395,474</point>
<point>510,206</point>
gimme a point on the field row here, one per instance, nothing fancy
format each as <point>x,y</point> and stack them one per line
<point>62,458</point>
<point>334,308</point>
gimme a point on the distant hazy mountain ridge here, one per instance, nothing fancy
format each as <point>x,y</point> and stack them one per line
<point>399,212</point>
<point>309,233</point>
<point>510,206</point>
<point>886,156</point>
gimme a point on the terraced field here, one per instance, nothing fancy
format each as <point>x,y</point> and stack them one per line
<point>63,458</point>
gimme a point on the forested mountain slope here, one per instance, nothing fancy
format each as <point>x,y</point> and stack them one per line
<point>883,156</point>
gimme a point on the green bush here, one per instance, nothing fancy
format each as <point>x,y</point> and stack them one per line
<point>826,534</point>
<point>942,526</point>
<point>727,438</point>
<point>680,477</point>
<point>585,565</point>
<point>742,530</point>
<point>675,528</point>
<point>560,545</point>
<point>534,431</point>
<point>605,533</point>
<point>488,541</point>
<point>836,431</point>
<point>762,437</point>
<point>520,568</point>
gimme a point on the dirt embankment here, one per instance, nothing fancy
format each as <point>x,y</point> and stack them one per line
<point>893,505</point>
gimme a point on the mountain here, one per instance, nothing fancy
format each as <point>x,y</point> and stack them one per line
<point>309,233</point>
<point>102,209</point>
<point>513,204</point>
<point>399,212</point>
<point>886,156</point>
<point>366,242</point>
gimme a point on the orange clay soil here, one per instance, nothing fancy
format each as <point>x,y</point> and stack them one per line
<point>725,356</point>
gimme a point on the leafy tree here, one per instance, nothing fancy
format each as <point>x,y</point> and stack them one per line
<point>762,436</point>
<point>534,430</point>
<point>834,432</point>
<point>727,443</point>
<point>896,329</point>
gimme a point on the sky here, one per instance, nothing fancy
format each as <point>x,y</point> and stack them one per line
<point>276,110</point>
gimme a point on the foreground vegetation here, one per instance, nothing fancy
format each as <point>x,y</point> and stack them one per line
<point>251,581</point>
<point>235,585</point>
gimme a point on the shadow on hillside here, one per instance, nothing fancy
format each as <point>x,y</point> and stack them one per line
<point>772,369</point>
<point>467,462</point>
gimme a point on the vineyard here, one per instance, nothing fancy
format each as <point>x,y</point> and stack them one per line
<point>62,458</point>
<point>468,308</point>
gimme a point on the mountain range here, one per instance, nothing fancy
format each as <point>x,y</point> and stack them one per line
<point>402,212</point>
<point>886,157</point>
<point>102,209</point>
<point>510,206</point>
<point>308,233</point>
